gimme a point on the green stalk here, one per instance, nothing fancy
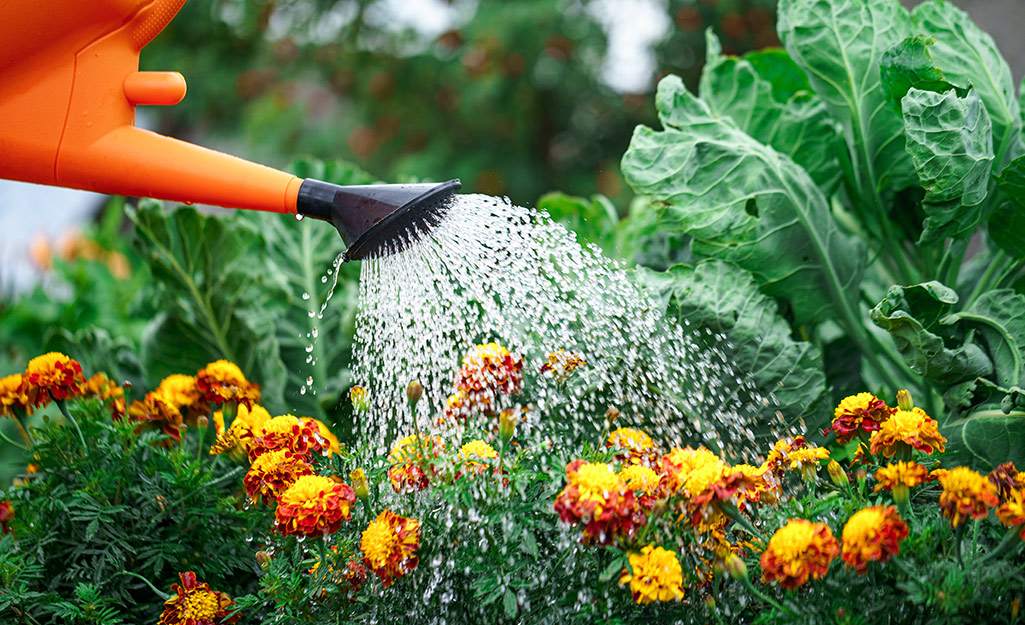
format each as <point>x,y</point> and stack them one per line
<point>8,440</point>
<point>1010,542</point>
<point>764,597</point>
<point>62,405</point>
<point>996,266</point>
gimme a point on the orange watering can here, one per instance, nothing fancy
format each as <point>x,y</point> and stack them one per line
<point>69,85</point>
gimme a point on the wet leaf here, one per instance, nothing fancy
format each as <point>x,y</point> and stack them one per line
<point>509,604</point>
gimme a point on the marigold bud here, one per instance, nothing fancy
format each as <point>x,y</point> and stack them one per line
<point>837,474</point>
<point>735,566</point>
<point>202,422</point>
<point>414,391</point>
<point>861,475</point>
<point>506,425</point>
<point>612,415</point>
<point>359,484</point>
<point>360,398</point>
<point>904,401</point>
<point>263,559</point>
<point>709,601</point>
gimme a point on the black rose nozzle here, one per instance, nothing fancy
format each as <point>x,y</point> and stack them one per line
<point>369,217</point>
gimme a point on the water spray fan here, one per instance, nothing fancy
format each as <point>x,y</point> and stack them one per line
<point>69,85</point>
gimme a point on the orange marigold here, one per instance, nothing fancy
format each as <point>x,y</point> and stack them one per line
<point>907,429</point>
<point>409,458</point>
<point>152,411</point>
<point>14,396</point>
<point>1012,511</point>
<point>389,545</point>
<point>195,604</point>
<point>900,478</point>
<point>799,550</point>
<point>859,413</point>
<point>238,438</point>
<point>222,382</point>
<point>313,506</point>
<point>680,462</point>
<point>966,493</point>
<point>561,364</point>
<point>52,376</point>
<point>182,392</point>
<point>272,473</point>
<point>487,371</point>
<point>105,389</point>
<point>327,440</point>
<point>872,535</point>
<point>598,499</point>
<point>300,436</point>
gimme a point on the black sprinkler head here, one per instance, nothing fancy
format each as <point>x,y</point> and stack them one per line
<point>369,216</point>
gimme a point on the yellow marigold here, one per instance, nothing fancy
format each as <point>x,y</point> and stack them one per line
<point>330,440</point>
<point>966,493</point>
<point>487,371</point>
<point>105,389</point>
<point>389,545</point>
<point>13,396</point>
<point>409,458</point>
<point>640,477</point>
<point>561,364</point>
<point>595,481</point>
<point>679,463</point>
<point>858,413</point>
<point>900,478</point>
<point>313,506</point>
<point>476,449</point>
<point>195,604</point>
<point>872,535</point>
<point>637,446</point>
<point>272,473</point>
<point>239,436</point>
<point>807,459</point>
<point>1012,512</point>
<point>655,575</point>
<point>778,459</point>
<point>763,487</point>
<point>52,376</point>
<point>907,429</point>
<point>799,550</point>
<point>181,391</point>
<point>222,382</point>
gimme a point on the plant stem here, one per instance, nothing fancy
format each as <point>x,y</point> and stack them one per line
<point>163,595</point>
<point>958,537</point>
<point>20,419</point>
<point>18,445</point>
<point>995,268</point>
<point>62,405</point>
<point>763,596</point>
<point>1009,541</point>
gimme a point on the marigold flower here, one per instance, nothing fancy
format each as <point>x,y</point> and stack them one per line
<point>14,396</point>
<point>561,364</point>
<point>239,436</point>
<point>389,545</point>
<point>760,486</point>
<point>799,550</point>
<point>1011,512</point>
<point>182,392</point>
<point>488,370</point>
<point>907,428</point>
<point>359,483</point>
<point>966,494</point>
<point>872,535</point>
<point>636,445</point>
<point>313,506</point>
<point>272,473</point>
<point>409,459</point>
<point>457,409</point>
<point>598,499</point>
<point>858,413</point>
<point>152,411</point>
<point>655,575</point>
<point>679,463</point>
<point>711,484</point>
<point>640,477</point>
<point>195,604</point>
<point>300,436</point>
<point>778,459</point>
<point>330,441</point>
<point>807,460</point>
<point>52,376</point>
<point>104,389</point>
<point>477,449</point>
<point>1007,479</point>
<point>900,478</point>
<point>222,382</point>
<point>6,516</point>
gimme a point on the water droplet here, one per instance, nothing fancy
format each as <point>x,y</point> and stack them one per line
<point>312,313</point>
<point>315,332</point>
<point>323,279</point>
<point>309,348</point>
<point>299,216</point>
<point>306,296</point>
<point>309,380</point>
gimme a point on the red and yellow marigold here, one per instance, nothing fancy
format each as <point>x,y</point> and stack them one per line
<point>655,575</point>
<point>636,445</point>
<point>300,436</point>
<point>798,551</point>
<point>561,364</point>
<point>872,535</point>
<point>778,460</point>
<point>238,438</point>
<point>907,429</point>
<point>806,460</point>
<point>6,516</point>
<point>222,382</point>
<point>151,411</point>
<point>598,499</point>
<point>966,493</point>
<point>313,506</point>
<point>410,457</point>
<point>182,392</point>
<point>330,441</point>
<point>195,604</point>
<point>900,477</point>
<point>681,462</point>
<point>105,389</point>
<point>14,398</point>
<point>52,376</point>
<point>859,413</point>
<point>712,484</point>
<point>389,545</point>
<point>272,473</point>
<point>1012,511</point>
<point>1007,478</point>
<point>489,370</point>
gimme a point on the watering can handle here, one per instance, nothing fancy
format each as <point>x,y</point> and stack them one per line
<point>69,85</point>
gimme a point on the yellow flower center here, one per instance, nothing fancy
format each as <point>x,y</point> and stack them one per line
<point>639,477</point>
<point>200,605</point>
<point>269,461</point>
<point>307,490</point>
<point>864,525</point>
<point>224,372</point>
<point>595,481</point>
<point>792,540</point>
<point>704,476</point>
<point>278,425</point>
<point>905,424</point>
<point>854,403</point>
<point>46,363</point>
<point>378,541</point>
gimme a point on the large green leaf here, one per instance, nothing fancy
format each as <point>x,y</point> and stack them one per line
<point>768,96</point>
<point>723,298</point>
<point>839,44</point>
<point>296,257</point>
<point>1007,225</point>
<point>909,64</point>
<point>211,296</point>
<point>744,202</point>
<point>969,56</point>
<point>912,315</point>
<point>950,143</point>
<point>999,318</point>
<point>986,439</point>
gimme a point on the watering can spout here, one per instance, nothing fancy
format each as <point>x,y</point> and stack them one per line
<point>67,118</point>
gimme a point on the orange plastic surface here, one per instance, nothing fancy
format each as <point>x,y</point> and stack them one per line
<point>69,85</point>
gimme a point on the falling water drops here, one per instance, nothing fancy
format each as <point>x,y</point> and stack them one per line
<point>306,296</point>
<point>299,216</point>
